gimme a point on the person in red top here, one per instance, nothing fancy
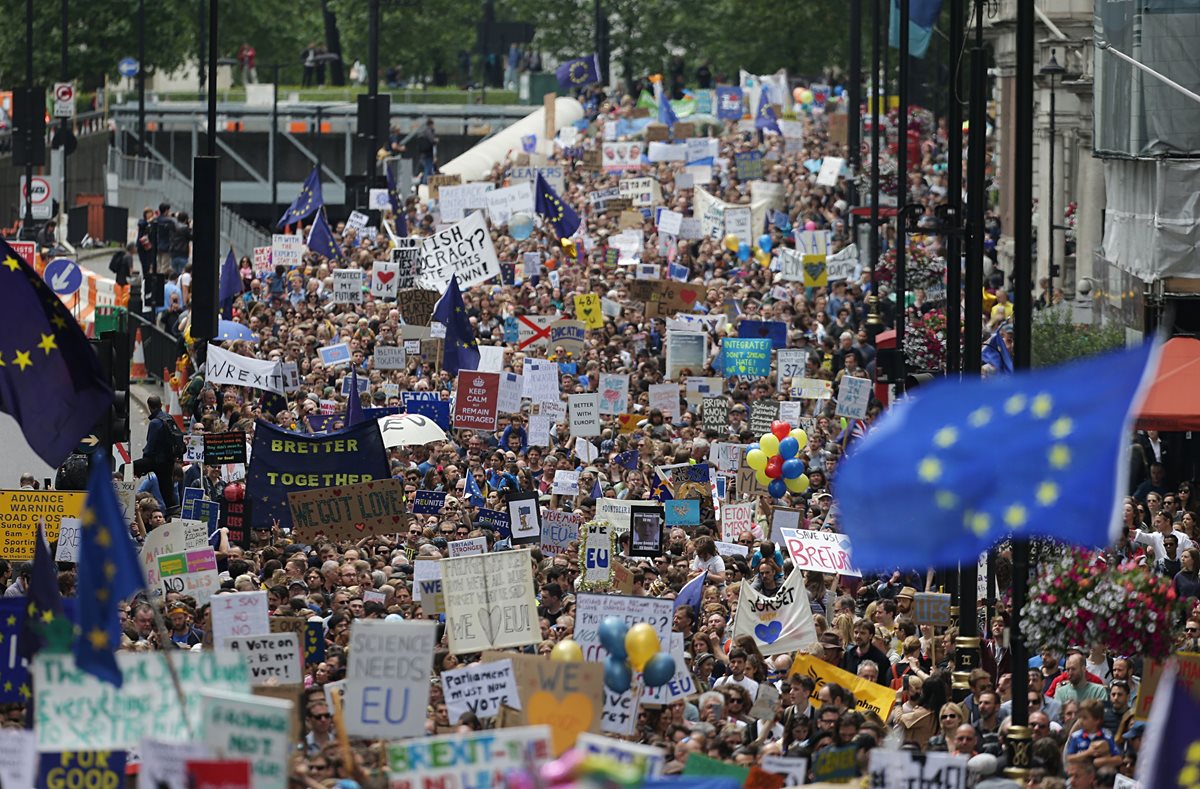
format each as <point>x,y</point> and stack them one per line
<point>245,59</point>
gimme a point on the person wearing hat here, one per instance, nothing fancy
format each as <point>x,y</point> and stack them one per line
<point>183,634</point>
<point>904,600</point>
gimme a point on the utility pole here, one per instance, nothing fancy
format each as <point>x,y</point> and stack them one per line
<point>854,97</point>
<point>952,218</point>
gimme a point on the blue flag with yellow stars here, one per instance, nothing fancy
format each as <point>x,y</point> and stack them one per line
<point>50,379</point>
<point>108,572</point>
<point>1170,754</point>
<point>628,459</point>
<point>231,285</point>
<point>43,601</point>
<point>578,73</point>
<point>960,465</point>
<point>399,218</point>
<point>461,351</point>
<point>551,207</point>
<point>307,202</point>
<point>666,113</point>
<point>321,240</point>
<point>764,118</point>
<point>474,494</point>
<point>354,409</point>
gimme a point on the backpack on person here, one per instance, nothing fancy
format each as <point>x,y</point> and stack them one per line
<point>177,444</point>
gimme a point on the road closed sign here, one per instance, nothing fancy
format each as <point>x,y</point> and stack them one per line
<point>20,511</point>
<point>42,197</point>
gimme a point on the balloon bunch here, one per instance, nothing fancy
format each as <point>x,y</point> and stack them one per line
<point>774,459</point>
<point>630,649</point>
<point>761,252</point>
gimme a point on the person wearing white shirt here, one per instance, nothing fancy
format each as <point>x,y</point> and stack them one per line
<point>708,559</point>
<point>737,674</point>
<point>1154,539</point>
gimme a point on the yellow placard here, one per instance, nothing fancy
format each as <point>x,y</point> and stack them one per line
<point>870,696</point>
<point>20,511</point>
<point>816,274</point>
<point>587,309</point>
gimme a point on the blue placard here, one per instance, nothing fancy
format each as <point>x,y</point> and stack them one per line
<point>729,104</point>
<point>511,331</point>
<point>682,512</point>
<point>364,384</point>
<point>496,520</point>
<point>428,502</point>
<point>775,331</point>
<point>70,769</point>
<point>746,358</point>
<point>314,641</point>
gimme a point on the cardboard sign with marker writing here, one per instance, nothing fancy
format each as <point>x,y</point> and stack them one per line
<point>436,181</point>
<point>665,297</point>
<point>930,608</point>
<point>567,697</point>
<point>350,511</point>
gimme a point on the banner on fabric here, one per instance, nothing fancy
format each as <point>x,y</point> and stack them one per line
<point>464,249</point>
<point>227,367</point>
<point>282,462</point>
<point>779,623</point>
<point>349,512</point>
<point>478,759</point>
<point>869,696</point>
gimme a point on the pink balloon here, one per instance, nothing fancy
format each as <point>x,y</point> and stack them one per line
<point>810,225</point>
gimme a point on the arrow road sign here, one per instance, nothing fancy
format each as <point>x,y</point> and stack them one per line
<point>128,67</point>
<point>63,276</point>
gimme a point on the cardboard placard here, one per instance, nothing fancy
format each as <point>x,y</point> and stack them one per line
<point>349,512</point>
<point>567,697</point>
<point>931,608</point>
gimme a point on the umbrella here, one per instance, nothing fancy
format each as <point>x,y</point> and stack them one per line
<point>232,330</point>
<point>409,429</point>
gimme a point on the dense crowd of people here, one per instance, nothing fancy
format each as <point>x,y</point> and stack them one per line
<point>1081,703</point>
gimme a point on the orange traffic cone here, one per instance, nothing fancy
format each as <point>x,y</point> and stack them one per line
<point>137,367</point>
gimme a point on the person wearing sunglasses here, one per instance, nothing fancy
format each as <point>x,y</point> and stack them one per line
<point>320,730</point>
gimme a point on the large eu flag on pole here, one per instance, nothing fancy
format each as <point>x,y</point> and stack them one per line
<point>308,201</point>
<point>578,73</point>
<point>552,208</point>
<point>961,464</point>
<point>50,379</point>
<point>1170,755</point>
<point>461,351</point>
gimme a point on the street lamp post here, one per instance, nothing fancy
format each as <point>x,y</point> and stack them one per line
<point>1050,71</point>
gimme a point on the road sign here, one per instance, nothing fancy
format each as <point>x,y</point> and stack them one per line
<point>63,276</point>
<point>26,249</point>
<point>64,100</point>
<point>43,196</point>
<point>128,67</point>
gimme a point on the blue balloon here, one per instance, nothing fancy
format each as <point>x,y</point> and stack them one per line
<point>617,676</point>
<point>753,447</point>
<point>612,635</point>
<point>659,670</point>
<point>743,251</point>
<point>777,489</point>
<point>788,448</point>
<point>765,243</point>
<point>838,90</point>
<point>520,226</point>
<point>794,467</point>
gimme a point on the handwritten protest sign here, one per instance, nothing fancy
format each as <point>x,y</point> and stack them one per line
<point>489,601</point>
<point>18,757</point>
<point>647,759</point>
<point>286,250</point>
<point>254,728</point>
<point>779,623</point>
<point>464,249</point>
<point>349,512</point>
<point>77,711</point>
<point>239,614</point>
<point>480,690</point>
<point>597,551</point>
<point>193,574</point>
<point>559,530</point>
<point>853,395</point>
<point>427,585</point>
<point>904,768</point>
<point>592,609</point>
<point>564,696</point>
<point>273,659</point>
<point>455,201</point>
<point>176,537</point>
<point>931,608</point>
<point>747,358</point>
<point>387,679</point>
<point>736,520</point>
<point>820,551</point>
<point>20,511</point>
<point>478,759</point>
<point>503,203</point>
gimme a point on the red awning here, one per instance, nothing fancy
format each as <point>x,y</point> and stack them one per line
<point>1173,402</point>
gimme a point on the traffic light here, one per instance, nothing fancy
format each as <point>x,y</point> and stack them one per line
<point>101,437</point>
<point>122,356</point>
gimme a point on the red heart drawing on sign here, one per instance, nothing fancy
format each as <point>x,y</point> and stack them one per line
<point>337,491</point>
<point>396,519</point>
<point>611,395</point>
<point>688,295</point>
<point>360,526</point>
<point>385,276</point>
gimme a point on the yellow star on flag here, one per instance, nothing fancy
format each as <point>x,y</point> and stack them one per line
<point>1047,493</point>
<point>12,621</point>
<point>103,538</point>
<point>1016,515</point>
<point>945,437</point>
<point>1014,405</point>
<point>930,469</point>
<point>12,263</point>
<point>47,344</point>
<point>23,360</point>
<point>59,321</point>
<point>1041,406</point>
<point>980,416</point>
<point>1060,456</point>
<point>98,638</point>
<point>47,616</point>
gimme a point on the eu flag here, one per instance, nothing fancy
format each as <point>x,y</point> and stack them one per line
<point>1170,754</point>
<point>474,494</point>
<point>50,379</point>
<point>461,351</point>
<point>692,592</point>
<point>996,354</point>
<point>107,573</point>
<point>764,118</point>
<point>354,409</point>
<point>44,602</point>
<point>307,202</point>
<point>962,464</point>
<point>666,113</point>
<point>922,17</point>
<point>321,240</point>
<point>551,207</point>
<point>578,73</point>
<point>231,285</point>
<point>628,459</point>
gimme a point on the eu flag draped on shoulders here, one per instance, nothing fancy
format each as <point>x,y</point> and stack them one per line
<point>995,351</point>
<point>108,572</point>
<point>308,201</point>
<point>552,208</point>
<point>578,73</point>
<point>231,285</point>
<point>764,118</point>
<point>960,465</point>
<point>50,379</point>
<point>321,240</point>
<point>1170,754</point>
<point>354,409</point>
<point>461,351</point>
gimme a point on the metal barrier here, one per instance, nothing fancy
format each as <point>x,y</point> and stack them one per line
<point>160,348</point>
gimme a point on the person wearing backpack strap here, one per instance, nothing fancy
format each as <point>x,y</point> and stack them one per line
<point>164,448</point>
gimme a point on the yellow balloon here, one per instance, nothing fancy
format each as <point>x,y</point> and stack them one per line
<point>763,258</point>
<point>800,436</point>
<point>567,651</point>
<point>797,485</point>
<point>731,242</point>
<point>641,644</point>
<point>806,96</point>
<point>756,459</point>
<point>769,444</point>
<point>762,478</point>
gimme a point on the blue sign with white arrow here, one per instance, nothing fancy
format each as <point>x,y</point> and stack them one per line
<point>128,67</point>
<point>63,276</point>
